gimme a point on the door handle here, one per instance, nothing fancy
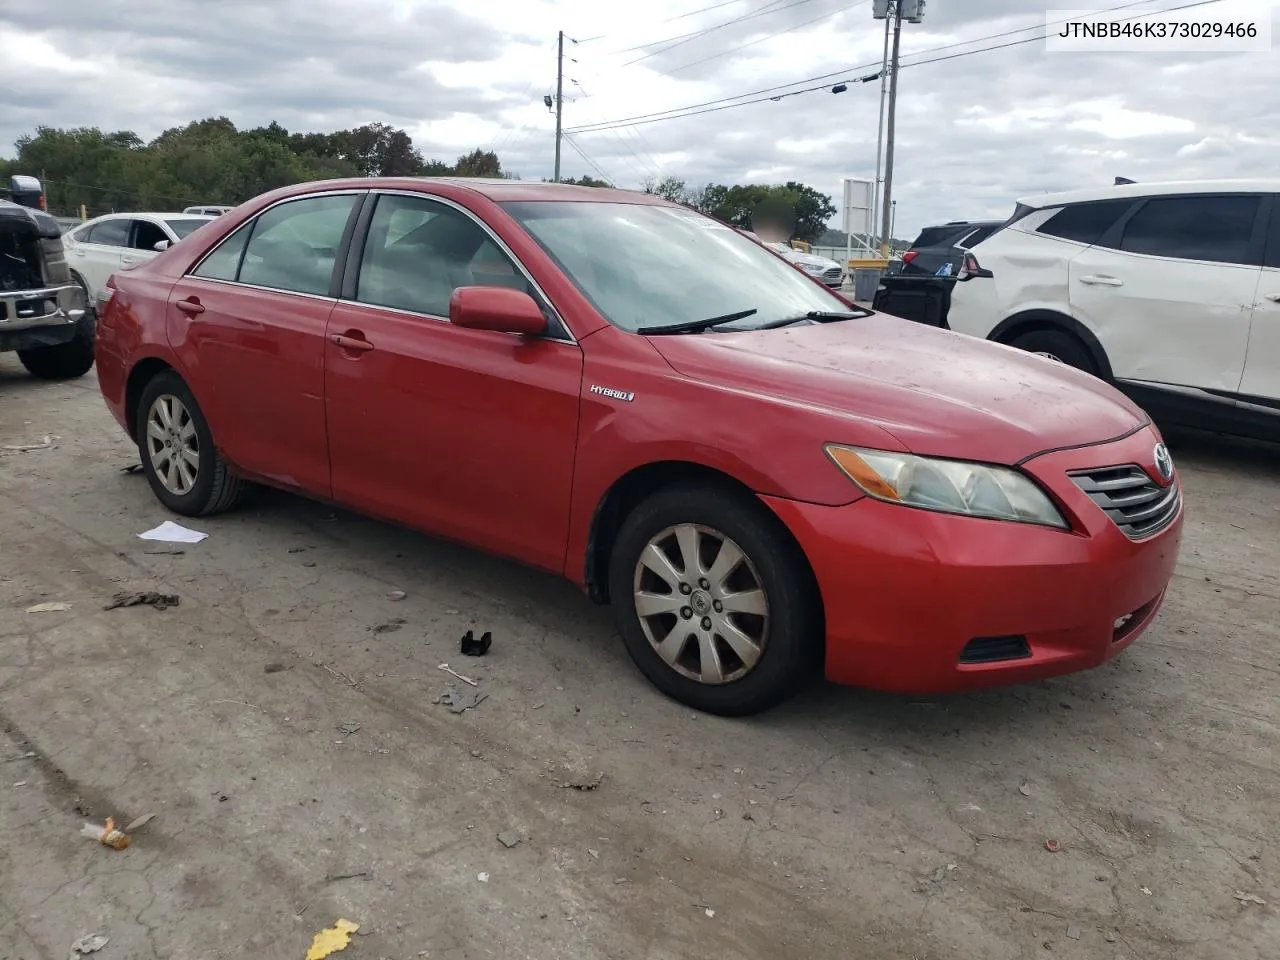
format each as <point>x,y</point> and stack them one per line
<point>128,260</point>
<point>190,306</point>
<point>351,340</point>
<point>1101,280</point>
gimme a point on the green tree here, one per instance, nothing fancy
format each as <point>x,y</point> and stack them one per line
<point>669,188</point>
<point>478,163</point>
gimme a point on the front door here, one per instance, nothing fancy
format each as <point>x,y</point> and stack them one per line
<point>466,433</point>
<point>1262,367</point>
<point>248,323</point>
<point>1169,292</point>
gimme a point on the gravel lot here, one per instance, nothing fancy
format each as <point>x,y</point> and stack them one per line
<point>282,723</point>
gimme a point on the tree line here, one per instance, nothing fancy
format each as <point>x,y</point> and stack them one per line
<point>210,161</point>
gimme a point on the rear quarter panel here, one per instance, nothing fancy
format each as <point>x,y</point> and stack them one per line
<point>131,329</point>
<point>1031,272</point>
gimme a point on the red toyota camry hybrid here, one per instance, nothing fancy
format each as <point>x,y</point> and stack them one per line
<point>763,479</point>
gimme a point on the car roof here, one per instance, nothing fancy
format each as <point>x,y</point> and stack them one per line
<point>149,215</point>
<point>1154,189</point>
<point>496,189</point>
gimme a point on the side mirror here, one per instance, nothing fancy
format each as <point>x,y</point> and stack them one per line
<point>500,309</point>
<point>161,245</point>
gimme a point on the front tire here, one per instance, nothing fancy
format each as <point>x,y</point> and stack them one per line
<point>1057,345</point>
<point>65,361</point>
<point>714,600</point>
<point>184,468</point>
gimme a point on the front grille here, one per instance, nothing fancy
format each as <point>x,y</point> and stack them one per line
<point>1127,494</point>
<point>832,274</point>
<point>995,649</point>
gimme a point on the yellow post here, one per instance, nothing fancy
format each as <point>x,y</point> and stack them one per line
<point>84,214</point>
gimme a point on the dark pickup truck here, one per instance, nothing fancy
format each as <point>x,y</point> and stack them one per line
<point>44,315</point>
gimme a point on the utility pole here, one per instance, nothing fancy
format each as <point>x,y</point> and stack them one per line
<point>884,79</point>
<point>886,225</point>
<point>559,98</point>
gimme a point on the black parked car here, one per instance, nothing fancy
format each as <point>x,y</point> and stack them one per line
<point>943,244</point>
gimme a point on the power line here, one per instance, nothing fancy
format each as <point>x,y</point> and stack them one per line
<point>595,166</point>
<point>582,128</point>
<point>752,43</point>
<point>771,7</point>
<point>781,91</point>
<point>694,13</point>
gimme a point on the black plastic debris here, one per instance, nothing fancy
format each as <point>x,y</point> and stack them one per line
<point>148,598</point>
<point>472,647</point>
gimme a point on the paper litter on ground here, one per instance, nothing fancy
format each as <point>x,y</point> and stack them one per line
<point>170,532</point>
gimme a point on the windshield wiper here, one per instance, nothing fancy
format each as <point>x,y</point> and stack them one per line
<point>817,316</point>
<point>697,326</point>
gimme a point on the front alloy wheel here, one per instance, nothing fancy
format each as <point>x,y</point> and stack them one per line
<point>701,604</point>
<point>173,444</point>
<point>714,599</point>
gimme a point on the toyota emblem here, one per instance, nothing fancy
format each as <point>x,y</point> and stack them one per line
<point>1164,462</point>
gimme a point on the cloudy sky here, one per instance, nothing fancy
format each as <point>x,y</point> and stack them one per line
<point>975,131</point>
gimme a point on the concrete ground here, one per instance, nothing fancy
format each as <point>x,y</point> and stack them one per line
<point>282,724</point>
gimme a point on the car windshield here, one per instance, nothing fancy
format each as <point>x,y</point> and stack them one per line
<point>645,265</point>
<point>184,227</point>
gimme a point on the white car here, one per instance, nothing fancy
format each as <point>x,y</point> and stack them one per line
<point>212,211</point>
<point>1170,290</point>
<point>98,248</point>
<point>821,268</point>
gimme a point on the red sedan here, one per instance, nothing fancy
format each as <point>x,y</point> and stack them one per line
<point>763,479</point>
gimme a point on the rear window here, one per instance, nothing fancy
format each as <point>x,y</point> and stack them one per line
<point>976,237</point>
<point>937,236</point>
<point>1085,222</point>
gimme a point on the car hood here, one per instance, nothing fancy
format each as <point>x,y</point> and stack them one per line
<point>938,393</point>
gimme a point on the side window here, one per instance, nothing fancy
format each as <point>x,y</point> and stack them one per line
<point>1217,229</point>
<point>419,250</point>
<point>1085,222</point>
<point>111,233</point>
<point>146,235</point>
<point>224,262</point>
<point>1273,240</point>
<point>975,238</point>
<point>294,246</point>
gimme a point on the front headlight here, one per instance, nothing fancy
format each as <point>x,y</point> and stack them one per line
<point>811,267</point>
<point>949,486</point>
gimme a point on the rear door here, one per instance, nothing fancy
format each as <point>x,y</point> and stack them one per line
<point>248,324</point>
<point>96,255</point>
<point>1262,365</point>
<point>1169,289</point>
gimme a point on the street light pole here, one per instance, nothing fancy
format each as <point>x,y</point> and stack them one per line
<point>886,224</point>
<point>884,79</point>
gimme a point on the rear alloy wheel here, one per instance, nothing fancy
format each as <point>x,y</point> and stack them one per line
<point>713,600</point>
<point>1057,345</point>
<point>184,468</point>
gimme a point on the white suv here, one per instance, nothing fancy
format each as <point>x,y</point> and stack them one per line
<point>1171,290</point>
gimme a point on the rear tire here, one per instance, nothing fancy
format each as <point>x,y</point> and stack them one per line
<point>1058,345</point>
<point>66,361</point>
<point>184,468</point>
<point>729,637</point>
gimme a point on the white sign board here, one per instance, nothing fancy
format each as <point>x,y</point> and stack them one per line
<point>858,212</point>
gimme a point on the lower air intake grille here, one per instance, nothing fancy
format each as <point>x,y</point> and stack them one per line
<point>1138,505</point>
<point>995,649</point>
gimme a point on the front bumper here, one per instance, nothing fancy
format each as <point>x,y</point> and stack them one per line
<point>30,319</point>
<point>906,592</point>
